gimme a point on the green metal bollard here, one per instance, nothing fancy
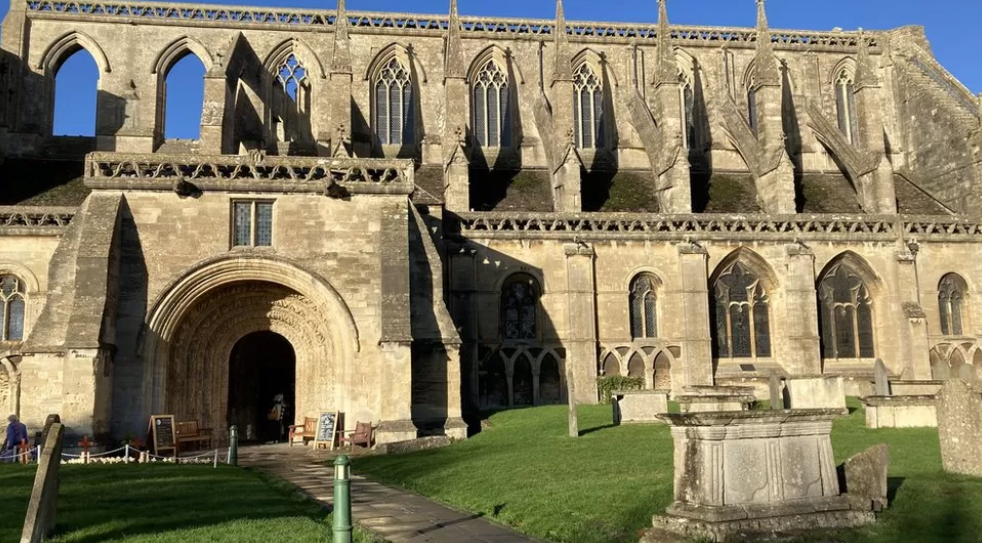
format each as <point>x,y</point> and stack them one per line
<point>233,446</point>
<point>342,500</point>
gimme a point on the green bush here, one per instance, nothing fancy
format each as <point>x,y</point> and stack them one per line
<point>610,383</point>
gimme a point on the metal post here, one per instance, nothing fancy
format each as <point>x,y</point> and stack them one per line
<point>342,500</point>
<point>233,446</point>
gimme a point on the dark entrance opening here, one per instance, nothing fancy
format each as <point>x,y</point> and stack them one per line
<point>262,366</point>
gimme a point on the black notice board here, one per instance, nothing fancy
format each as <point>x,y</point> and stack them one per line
<point>327,427</point>
<point>162,430</point>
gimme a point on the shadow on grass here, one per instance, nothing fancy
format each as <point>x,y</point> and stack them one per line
<point>166,503</point>
<point>893,485</point>
<point>588,431</point>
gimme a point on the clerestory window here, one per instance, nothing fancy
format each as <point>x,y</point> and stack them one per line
<point>687,105</point>
<point>845,102</point>
<point>393,101</point>
<point>588,108</point>
<point>490,106</point>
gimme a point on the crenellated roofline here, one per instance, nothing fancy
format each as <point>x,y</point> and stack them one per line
<point>364,22</point>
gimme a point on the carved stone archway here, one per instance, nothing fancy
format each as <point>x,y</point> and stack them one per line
<point>195,323</point>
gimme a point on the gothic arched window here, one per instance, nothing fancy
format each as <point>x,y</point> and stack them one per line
<point>644,319</point>
<point>491,118</point>
<point>686,106</point>
<point>845,104</point>
<point>588,106</point>
<point>846,311</point>
<point>742,328</point>
<point>519,305</point>
<point>951,296</point>
<point>290,100</point>
<point>292,76</point>
<point>12,298</point>
<point>752,103</point>
<point>393,104</point>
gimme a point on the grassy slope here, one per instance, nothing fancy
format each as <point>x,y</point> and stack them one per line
<point>166,504</point>
<point>604,486</point>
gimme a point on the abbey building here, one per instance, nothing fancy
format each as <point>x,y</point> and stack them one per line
<point>406,218</point>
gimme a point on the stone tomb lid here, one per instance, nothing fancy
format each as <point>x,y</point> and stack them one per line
<point>645,391</point>
<point>736,418</point>
<point>911,399</point>
<point>709,390</point>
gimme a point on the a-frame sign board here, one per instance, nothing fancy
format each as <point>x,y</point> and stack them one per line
<point>161,433</point>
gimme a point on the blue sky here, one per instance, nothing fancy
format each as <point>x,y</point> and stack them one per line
<point>951,27</point>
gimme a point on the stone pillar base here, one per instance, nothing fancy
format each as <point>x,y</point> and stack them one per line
<point>455,428</point>
<point>390,431</point>
<point>749,523</point>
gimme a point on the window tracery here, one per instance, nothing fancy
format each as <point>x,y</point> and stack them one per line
<point>519,303</point>
<point>12,297</point>
<point>687,105</point>
<point>742,314</point>
<point>845,103</point>
<point>588,107</point>
<point>846,315</point>
<point>393,102</point>
<point>292,77</point>
<point>951,296</point>
<point>490,106</point>
<point>644,323</point>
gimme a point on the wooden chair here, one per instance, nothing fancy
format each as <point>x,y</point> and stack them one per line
<point>361,436</point>
<point>189,432</point>
<point>305,431</point>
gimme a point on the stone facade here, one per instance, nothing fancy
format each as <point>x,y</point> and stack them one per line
<point>465,210</point>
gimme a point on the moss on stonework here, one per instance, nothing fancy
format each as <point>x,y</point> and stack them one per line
<point>827,193</point>
<point>42,182</point>
<point>623,191</point>
<point>510,190</point>
<point>732,193</point>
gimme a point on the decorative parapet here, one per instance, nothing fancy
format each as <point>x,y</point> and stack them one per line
<point>435,25</point>
<point>38,221</point>
<point>189,173</point>
<point>629,226</point>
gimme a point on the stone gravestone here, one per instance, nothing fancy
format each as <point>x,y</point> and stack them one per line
<point>41,511</point>
<point>881,378</point>
<point>960,428</point>
<point>774,386</point>
<point>53,418</point>
<point>865,476</point>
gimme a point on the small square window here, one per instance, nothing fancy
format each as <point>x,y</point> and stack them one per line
<point>252,223</point>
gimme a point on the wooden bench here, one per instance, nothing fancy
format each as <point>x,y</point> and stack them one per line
<point>189,432</point>
<point>305,431</point>
<point>361,436</point>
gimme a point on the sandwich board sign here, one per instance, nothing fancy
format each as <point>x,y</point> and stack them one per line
<point>162,434</point>
<point>327,429</point>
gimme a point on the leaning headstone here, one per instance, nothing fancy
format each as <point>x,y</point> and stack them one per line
<point>866,478</point>
<point>960,428</point>
<point>774,386</point>
<point>41,511</point>
<point>881,378</point>
<point>53,418</point>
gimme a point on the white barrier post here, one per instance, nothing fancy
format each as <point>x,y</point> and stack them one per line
<point>126,453</point>
<point>216,459</point>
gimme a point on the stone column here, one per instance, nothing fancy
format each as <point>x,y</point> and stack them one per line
<point>581,331</point>
<point>455,426</point>
<point>802,356</point>
<point>914,360</point>
<point>696,343</point>
<point>213,113</point>
<point>395,382</point>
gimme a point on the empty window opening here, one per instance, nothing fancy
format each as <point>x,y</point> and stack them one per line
<point>76,88</point>
<point>184,96</point>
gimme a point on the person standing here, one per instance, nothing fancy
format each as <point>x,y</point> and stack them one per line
<point>275,418</point>
<point>16,433</point>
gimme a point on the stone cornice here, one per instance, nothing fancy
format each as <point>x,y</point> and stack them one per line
<point>218,16</point>
<point>599,227</point>
<point>35,220</point>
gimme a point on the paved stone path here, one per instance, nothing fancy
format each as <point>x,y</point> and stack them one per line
<point>396,515</point>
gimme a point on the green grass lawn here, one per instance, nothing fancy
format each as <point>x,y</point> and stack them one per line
<point>604,486</point>
<point>162,503</point>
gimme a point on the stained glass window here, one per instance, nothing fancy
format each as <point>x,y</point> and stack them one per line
<point>951,295</point>
<point>519,303</point>
<point>12,298</point>
<point>491,118</point>
<point>393,105</point>
<point>846,314</point>
<point>742,317</point>
<point>644,322</point>
<point>588,108</point>
<point>845,102</point>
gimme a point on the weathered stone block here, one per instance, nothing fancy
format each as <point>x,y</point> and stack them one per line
<point>702,399</point>
<point>900,412</point>
<point>865,477</point>
<point>639,406</point>
<point>43,507</point>
<point>816,393</point>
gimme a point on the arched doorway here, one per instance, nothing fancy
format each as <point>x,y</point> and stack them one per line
<point>262,366</point>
